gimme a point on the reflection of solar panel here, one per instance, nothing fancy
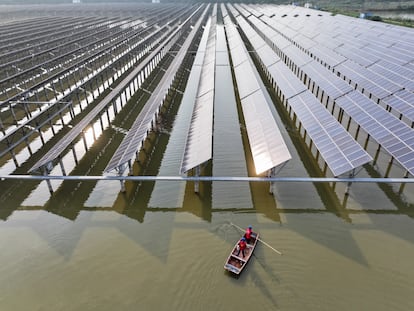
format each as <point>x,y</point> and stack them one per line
<point>390,132</point>
<point>337,147</point>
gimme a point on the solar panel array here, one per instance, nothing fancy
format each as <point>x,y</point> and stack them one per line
<point>391,133</point>
<point>266,142</point>
<point>80,57</point>
<point>376,56</point>
<point>323,78</point>
<point>398,74</point>
<point>132,142</point>
<point>309,56</point>
<point>168,194</point>
<point>199,143</point>
<point>54,153</point>
<point>373,83</point>
<point>403,102</point>
<point>337,147</point>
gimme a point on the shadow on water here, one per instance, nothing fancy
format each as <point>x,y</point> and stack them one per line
<point>199,204</point>
<point>397,199</point>
<point>402,207</point>
<point>14,192</point>
<point>250,273</point>
<point>71,196</point>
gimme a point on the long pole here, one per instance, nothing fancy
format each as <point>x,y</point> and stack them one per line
<point>275,250</point>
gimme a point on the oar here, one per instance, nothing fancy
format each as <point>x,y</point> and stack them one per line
<point>275,250</point>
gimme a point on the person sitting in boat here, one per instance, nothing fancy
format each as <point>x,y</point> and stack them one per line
<point>248,234</point>
<point>241,246</point>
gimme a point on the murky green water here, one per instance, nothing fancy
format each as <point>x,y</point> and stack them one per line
<point>106,260</point>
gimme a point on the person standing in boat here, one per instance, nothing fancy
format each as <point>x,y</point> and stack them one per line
<point>248,234</point>
<point>242,246</point>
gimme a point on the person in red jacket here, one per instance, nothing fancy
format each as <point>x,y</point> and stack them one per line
<point>248,234</point>
<point>241,246</point>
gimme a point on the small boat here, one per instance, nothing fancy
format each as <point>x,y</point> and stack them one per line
<point>236,263</point>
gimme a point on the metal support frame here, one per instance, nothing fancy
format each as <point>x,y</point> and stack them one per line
<point>196,183</point>
<point>272,174</point>
<point>120,172</point>
<point>348,185</point>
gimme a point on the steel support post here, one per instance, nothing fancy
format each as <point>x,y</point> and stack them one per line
<point>197,183</point>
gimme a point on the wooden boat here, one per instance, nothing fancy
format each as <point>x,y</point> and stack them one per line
<point>236,264</point>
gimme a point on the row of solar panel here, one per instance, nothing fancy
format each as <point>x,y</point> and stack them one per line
<point>199,145</point>
<point>128,147</point>
<point>339,150</point>
<point>337,89</point>
<point>266,141</point>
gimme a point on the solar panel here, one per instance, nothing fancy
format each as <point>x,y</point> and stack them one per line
<point>337,147</point>
<point>223,10</point>
<point>341,152</point>
<point>406,47</point>
<point>199,140</point>
<point>285,79</point>
<point>403,102</point>
<point>138,132</point>
<point>57,150</point>
<point>255,40</point>
<point>266,142</point>
<point>391,133</point>
<point>331,84</point>
<point>246,82</point>
<point>267,55</point>
<point>199,143</point>
<point>298,57</point>
<point>389,54</point>
<point>400,75</point>
<point>242,10</point>
<point>202,46</point>
<point>304,42</point>
<point>357,55</point>
<point>366,80</point>
<point>238,56</point>
<point>327,40</point>
<point>326,55</point>
<point>351,39</point>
